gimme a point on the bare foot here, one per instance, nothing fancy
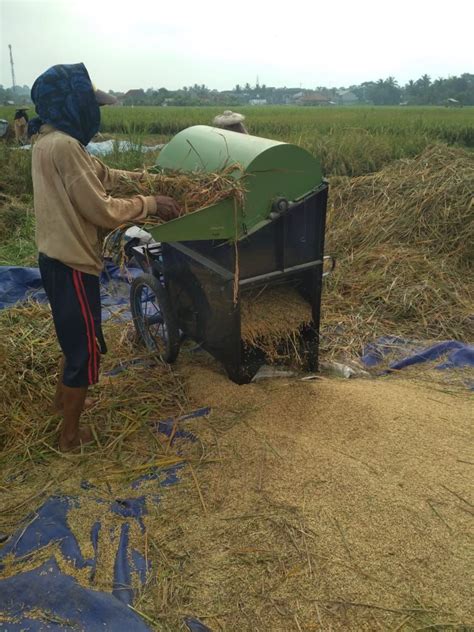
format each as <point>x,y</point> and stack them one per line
<point>66,444</point>
<point>89,403</point>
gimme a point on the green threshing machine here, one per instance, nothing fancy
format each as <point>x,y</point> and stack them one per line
<point>200,265</point>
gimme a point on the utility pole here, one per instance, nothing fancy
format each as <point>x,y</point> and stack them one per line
<point>12,67</point>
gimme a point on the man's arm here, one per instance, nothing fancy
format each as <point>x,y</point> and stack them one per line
<point>88,194</point>
<point>110,178</point>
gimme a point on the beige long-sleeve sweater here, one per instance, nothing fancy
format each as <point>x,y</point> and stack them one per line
<point>71,201</point>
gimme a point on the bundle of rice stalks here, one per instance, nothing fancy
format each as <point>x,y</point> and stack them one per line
<point>404,239</point>
<point>192,191</point>
<point>271,320</point>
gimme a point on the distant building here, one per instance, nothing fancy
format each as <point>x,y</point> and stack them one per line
<point>291,95</point>
<point>297,96</point>
<point>346,97</point>
<point>314,98</point>
<point>134,97</point>
<point>257,102</point>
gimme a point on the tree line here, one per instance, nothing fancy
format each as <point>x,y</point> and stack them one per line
<point>422,91</point>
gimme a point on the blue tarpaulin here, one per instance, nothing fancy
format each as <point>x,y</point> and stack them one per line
<point>47,525</point>
<point>18,284</point>
<point>56,599</point>
<point>403,352</point>
<point>59,603</point>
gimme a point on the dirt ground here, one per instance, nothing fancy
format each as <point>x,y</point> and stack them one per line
<point>322,505</point>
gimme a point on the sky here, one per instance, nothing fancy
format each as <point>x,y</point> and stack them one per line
<point>153,43</point>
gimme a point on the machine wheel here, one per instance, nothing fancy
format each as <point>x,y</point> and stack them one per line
<point>154,318</point>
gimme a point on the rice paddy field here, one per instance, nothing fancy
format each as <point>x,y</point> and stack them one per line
<point>288,122</point>
<point>304,505</point>
<point>349,141</point>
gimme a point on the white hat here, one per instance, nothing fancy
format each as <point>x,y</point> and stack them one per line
<point>228,118</point>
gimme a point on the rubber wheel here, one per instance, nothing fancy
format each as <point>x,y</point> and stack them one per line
<point>154,318</point>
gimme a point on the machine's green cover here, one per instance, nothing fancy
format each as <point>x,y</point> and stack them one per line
<point>269,170</point>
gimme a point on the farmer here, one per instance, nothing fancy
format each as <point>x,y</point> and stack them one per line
<point>71,202</point>
<point>20,124</point>
<point>231,121</point>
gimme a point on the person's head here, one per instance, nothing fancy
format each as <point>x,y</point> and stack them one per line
<point>66,99</point>
<point>21,113</point>
<point>231,121</point>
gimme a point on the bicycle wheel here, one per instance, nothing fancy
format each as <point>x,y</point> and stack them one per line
<point>154,318</point>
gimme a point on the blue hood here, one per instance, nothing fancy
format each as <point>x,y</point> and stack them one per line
<point>64,98</point>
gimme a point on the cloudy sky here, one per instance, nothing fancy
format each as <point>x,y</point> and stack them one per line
<point>152,43</point>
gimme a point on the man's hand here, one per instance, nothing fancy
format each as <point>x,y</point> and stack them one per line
<point>167,208</point>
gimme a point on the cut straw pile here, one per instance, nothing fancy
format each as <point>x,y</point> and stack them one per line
<point>404,240</point>
<point>192,191</point>
<point>126,444</point>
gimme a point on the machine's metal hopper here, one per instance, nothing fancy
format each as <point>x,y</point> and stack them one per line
<point>270,170</point>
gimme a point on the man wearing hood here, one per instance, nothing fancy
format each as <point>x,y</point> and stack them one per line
<point>71,203</point>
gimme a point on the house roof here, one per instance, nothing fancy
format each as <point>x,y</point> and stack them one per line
<point>314,97</point>
<point>135,93</point>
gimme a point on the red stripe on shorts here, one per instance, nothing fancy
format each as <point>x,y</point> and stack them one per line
<point>90,345</point>
<point>95,355</point>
